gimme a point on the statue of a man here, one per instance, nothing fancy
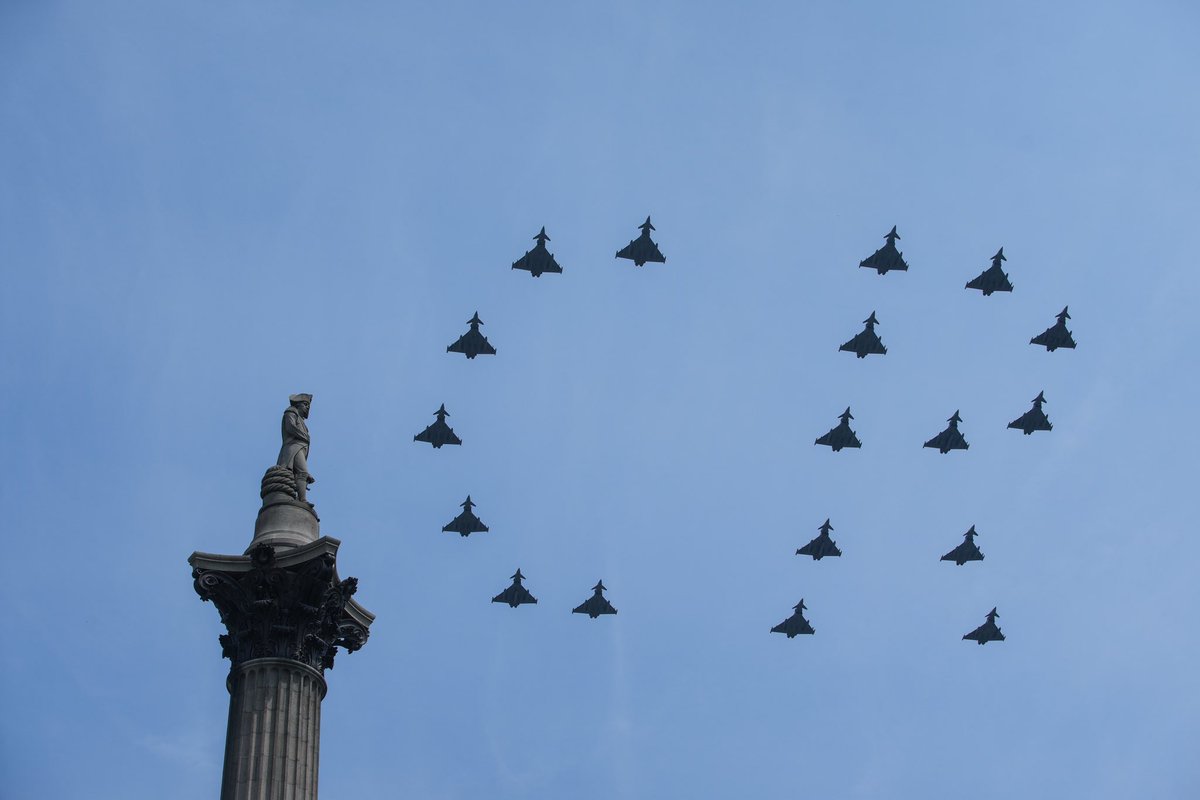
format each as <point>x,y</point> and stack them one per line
<point>294,452</point>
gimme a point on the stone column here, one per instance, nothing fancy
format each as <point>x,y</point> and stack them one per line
<point>286,613</point>
<point>273,743</point>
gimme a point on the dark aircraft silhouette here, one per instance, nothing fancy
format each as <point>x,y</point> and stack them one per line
<point>472,343</point>
<point>1056,335</point>
<point>988,631</point>
<point>967,551</point>
<point>439,433</point>
<point>821,546</point>
<point>642,249</point>
<point>1034,419</point>
<point>466,523</point>
<point>949,439</point>
<point>595,605</point>
<point>886,257</point>
<point>841,436</point>
<point>992,279</point>
<point>539,259</point>
<point>516,594</point>
<point>866,341</point>
<point>795,624</point>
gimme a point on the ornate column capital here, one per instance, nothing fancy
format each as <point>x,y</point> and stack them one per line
<point>283,605</point>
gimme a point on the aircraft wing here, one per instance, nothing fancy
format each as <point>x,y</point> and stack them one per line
<point>594,607</point>
<point>985,633</point>
<point>793,626</point>
<point>884,259</point>
<point>1032,420</point>
<point>471,344</point>
<point>838,438</point>
<point>536,263</point>
<point>437,435</point>
<point>640,251</point>
<point>819,548</point>
<point>828,439</point>
<point>946,441</point>
<point>515,596</point>
<point>464,525</point>
<point>864,344</point>
<point>1054,338</point>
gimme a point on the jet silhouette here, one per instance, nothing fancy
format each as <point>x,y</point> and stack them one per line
<point>949,439</point>
<point>795,624</point>
<point>1056,335</point>
<point>539,259</point>
<point>866,341</point>
<point>1034,419</point>
<point>841,436</point>
<point>992,279</point>
<point>821,546</point>
<point>967,551</point>
<point>988,631</point>
<point>642,249</point>
<point>887,257</point>
<point>466,523</point>
<point>472,343</point>
<point>595,605</point>
<point>439,433</point>
<point>516,594</point>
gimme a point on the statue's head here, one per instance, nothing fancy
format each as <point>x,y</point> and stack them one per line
<point>302,403</point>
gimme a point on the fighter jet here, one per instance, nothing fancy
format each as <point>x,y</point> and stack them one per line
<point>949,439</point>
<point>439,433</point>
<point>795,624</point>
<point>472,343</point>
<point>1056,335</point>
<point>866,341</point>
<point>642,249</point>
<point>988,631</point>
<point>466,523</point>
<point>516,594</point>
<point>841,436</point>
<point>821,546</point>
<point>967,551</point>
<point>992,279</point>
<point>1034,419</point>
<point>539,259</point>
<point>595,605</point>
<point>886,257</point>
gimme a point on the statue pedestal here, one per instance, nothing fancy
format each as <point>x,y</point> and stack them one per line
<point>285,522</point>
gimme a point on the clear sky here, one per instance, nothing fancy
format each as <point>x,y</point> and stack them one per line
<point>206,207</point>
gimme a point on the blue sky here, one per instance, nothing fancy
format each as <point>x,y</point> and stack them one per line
<point>207,207</point>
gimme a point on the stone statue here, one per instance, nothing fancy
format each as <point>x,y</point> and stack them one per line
<point>294,453</point>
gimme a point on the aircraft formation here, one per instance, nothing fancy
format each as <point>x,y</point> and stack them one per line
<point>888,258</point>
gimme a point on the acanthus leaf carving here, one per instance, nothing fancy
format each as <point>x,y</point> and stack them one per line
<point>296,612</point>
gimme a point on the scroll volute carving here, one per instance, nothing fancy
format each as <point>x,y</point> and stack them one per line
<point>296,612</point>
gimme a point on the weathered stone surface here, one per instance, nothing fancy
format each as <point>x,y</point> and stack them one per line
<point>288,606</point>
<point>284,522</point>
<point>272,747</point>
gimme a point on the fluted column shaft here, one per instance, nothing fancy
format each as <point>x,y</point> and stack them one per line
<point>273,742</point>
